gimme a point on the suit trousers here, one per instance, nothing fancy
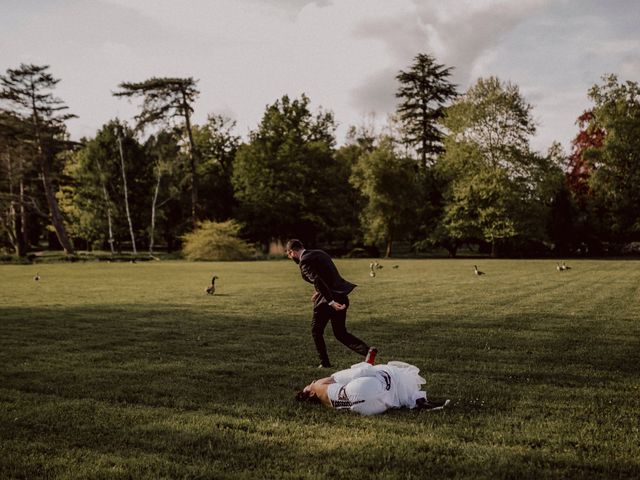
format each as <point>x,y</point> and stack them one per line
<point>323,313</point>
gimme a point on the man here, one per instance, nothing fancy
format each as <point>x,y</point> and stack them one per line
<point>370,390</point>
<point>330,300</point>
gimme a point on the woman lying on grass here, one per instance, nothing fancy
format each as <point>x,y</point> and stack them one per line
<point>369,390</point>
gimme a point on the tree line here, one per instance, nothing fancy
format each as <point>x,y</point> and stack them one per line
<point>449,169</point>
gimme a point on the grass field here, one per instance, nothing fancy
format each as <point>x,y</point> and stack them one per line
<point>132,371</point>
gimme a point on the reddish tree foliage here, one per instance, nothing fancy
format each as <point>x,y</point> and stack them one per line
<point>579,169</point>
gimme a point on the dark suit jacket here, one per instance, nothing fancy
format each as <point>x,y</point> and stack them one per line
<point>317,267</point>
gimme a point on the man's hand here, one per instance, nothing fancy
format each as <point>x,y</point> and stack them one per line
<point>314,296</point>
<point>338,306</point>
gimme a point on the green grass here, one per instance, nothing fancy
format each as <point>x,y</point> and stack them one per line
<point>132,371</point>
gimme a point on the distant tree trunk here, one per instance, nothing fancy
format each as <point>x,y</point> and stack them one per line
<point>24,230</point>
<point>14,220</point>
<point>494,249</point>
<point>192,161</point>
<point>54,209</point>
<point>108,204</point>
<point>452,249</point>
<point>109,221</point>
<point>126,196</point>
<point>45,172</point>
<point>387,252</point>
<point>153,213</point>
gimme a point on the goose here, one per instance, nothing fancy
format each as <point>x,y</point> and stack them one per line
<point>477,272</point>
<point>37,277</point>
<point>396,266</point>
<point>559,267</point>
<point>211,288</point>
<point>565,267</point>
<point>372,274</point>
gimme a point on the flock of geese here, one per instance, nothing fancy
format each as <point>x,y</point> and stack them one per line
<point>373,266</point>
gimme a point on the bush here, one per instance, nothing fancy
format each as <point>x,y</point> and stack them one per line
<point>216,241</point>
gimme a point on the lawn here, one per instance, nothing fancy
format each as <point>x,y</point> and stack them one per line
<point>132,371</point>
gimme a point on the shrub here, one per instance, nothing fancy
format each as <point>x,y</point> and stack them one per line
<point>216,241</point>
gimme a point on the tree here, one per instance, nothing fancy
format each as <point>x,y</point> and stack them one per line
<point>495,182</point>
<point>286,179</point>
<point>27,92</point>
<point>95,198</point>
<point>13,169</point>
<point>424,91</point>
<point>218,146</point>
<point>163,148</point>
<point>615,176</point>
<point>165,99</point>
<point>589,136</point>
<point>387,182</point>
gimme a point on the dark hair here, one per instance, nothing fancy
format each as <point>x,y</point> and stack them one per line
<point>303,396</point>
<point>294,244</point>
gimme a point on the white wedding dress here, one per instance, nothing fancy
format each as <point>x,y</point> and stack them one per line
<point>372,389</point>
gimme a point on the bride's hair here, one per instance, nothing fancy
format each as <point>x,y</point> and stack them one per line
<point>303,396</point>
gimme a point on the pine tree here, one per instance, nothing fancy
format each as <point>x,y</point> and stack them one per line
<point>27,92</point>
<point>164,98</point>
<point>424,90</point>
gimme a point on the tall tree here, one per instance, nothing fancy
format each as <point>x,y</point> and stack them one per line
<point>285,177</point>
<point>589,136</point>
<point>26,90</point>
<point>165,99</point>
<point>388,183</point>
<point>494,178</point>
<point>217,144</point>
<point>163,148</point>
<point>12,183</point>
<point>125,190</point>
<point>615,181</point>
<point>424,92</point>
<point>95,198</point>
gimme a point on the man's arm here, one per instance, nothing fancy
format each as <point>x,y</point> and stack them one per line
<point>319,284</point>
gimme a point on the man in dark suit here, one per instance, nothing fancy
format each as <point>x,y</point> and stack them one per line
<point>330,300</point>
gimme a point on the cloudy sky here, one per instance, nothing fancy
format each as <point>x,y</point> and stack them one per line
<point>344,54</point>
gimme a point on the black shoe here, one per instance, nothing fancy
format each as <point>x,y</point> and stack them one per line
<point>324,365</point>
<point>424,404</point>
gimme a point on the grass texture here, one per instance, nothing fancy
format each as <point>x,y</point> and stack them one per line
<point>132,371</point>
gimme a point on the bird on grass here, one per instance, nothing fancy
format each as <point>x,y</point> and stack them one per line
<point>565,267</point>
<point>477,272</point>
<point>396,266</point>
<point>36,277</point>
<point>211,289</point>
<point>559,267</point>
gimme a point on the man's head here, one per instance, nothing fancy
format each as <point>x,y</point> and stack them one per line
<point>294,248</point>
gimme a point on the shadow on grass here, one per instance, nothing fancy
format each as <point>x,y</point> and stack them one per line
<point>132,386</point>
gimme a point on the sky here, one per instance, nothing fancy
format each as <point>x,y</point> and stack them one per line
<point>343,54</point>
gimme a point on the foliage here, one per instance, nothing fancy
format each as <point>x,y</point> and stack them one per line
<point>424,91</point>
<point>496,185</point>
<point>26,92</point>
<point>388,183</point>
<point>217,145</point>
<point>131,370</point>
<point>96,187</point>
<point>615,180</point>
<point>214,241</point>
<point>163,100</point>
<point>286,179</point>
